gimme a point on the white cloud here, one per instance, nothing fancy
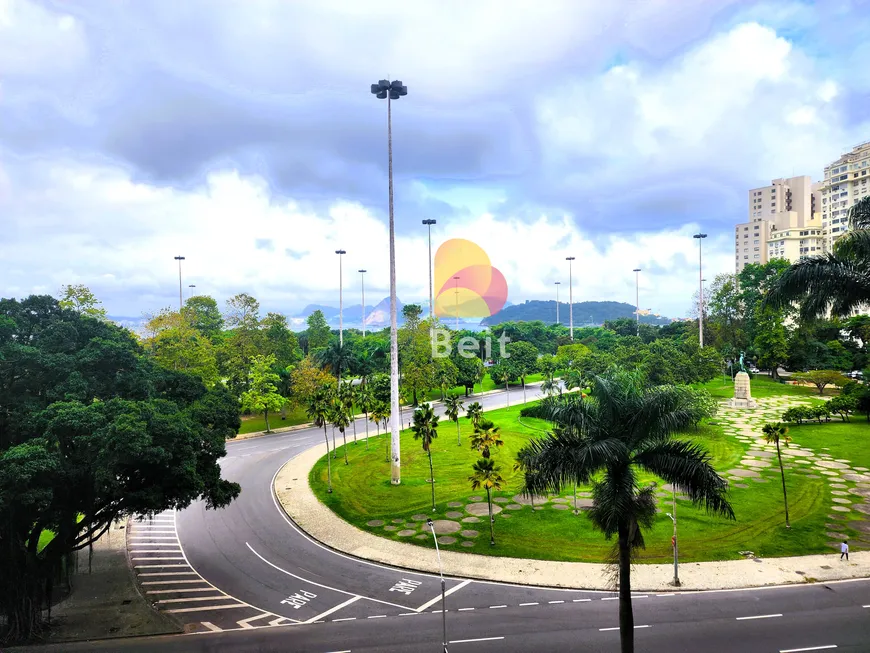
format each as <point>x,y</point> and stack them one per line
<point>35,41</point>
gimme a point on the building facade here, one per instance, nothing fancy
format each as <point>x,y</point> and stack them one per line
<point>846,182</point>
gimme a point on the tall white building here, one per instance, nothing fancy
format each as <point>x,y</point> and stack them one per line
<point>846,182</point>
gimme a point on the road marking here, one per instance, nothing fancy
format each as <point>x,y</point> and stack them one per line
<point>610,598</point>
<point>377,616</point>
<point>581,600</point>
<point>209,607</point>
<point>865,606</point>
<point>759,616</point>
<point>327,587</point>
<point>522,605</point>
<point>152,537</point>
<point>478,639</point>
<point>138,551</point>
<point>211,626</point>
<point>617,628</point>
<point>246,623</point>
<point>552,602</point>
<point>408,614</point>
<point>197,599</point>
<point>353,599</point>
<point>211,588</point>
<point>642,596</point>
<point>665,594</point>
<point>173,582</point>
<point>153,566</point>
<point>465,609</point>
<point>158,529</point>
<point>344,619</point>
<point>168,573</point>
<point>432,602</point>
<point>496,607</point>
<point>811,648</point>
<point>439,611</point>
<point>158,558</point>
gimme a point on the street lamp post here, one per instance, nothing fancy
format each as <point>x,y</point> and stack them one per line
<point>429,224</point>
<point>389,91</point>
<point>443,593</point>
<point>340,252</point>
<point>362,283</point>
<point>558,283</point>
<point>570,299</point>
<point>637,297</point>
<point>673,517</point>
<point>180,298</point>
<point>456,291</point>
<point>700,238</point>
<point>191,286</point>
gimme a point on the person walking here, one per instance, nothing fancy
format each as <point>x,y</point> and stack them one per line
<point>844,550</point>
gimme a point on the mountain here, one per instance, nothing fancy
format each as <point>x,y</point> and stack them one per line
<point>379,316</point>
<point>328,311</point>
<point>584,313</point>
<point>376,316</point>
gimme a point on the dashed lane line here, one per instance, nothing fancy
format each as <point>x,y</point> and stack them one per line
<point>344,619</point>
<point>759,616</point>
<point>211,626</point>
<point>496,607</point>
<point>377,616</point>
<point>554,602</point>
<point>811,648</point>
<point>581,600</point>
<point>435,600</point>
<point>476,639</point>
<point>335,608</point>
<point>604,630</point>
<point>522,605</point>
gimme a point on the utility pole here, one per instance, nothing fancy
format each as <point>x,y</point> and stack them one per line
<point>340,252</point>
<point>429,224</point>
<point>700,238</point>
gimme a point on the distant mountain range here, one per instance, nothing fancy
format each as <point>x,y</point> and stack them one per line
<point>584,313</point>
<point>376,316</point>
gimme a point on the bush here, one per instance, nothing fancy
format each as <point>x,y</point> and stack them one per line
<point>798,414</point>
<point>822,412</point>
<point>843,405</point>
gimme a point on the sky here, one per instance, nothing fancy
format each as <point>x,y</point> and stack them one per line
<point>243,136</point>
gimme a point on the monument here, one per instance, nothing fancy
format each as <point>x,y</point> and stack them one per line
<point>742,391</point>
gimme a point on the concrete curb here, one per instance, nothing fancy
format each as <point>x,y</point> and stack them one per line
<point>295,496</point>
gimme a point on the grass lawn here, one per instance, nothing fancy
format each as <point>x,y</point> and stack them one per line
<point>761,386</point>
<point>844,440</point>
<point>362,493</point>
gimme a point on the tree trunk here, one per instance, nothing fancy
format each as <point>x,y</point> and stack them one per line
<point>626,613</point>
<point>782,475</point>
<point>344,438</point>
<point>507,394</point>
<point>328,462</point>
<point>491,520</point>
<point>524,389</point>
<point>431,476</point>
<point>266,415</point>
<point>415,396</point>
<point>458,434</point>
<point>353,417</point>
<point>333,442</point>
<point>367,430</point>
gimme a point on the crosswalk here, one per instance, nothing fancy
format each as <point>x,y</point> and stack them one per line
<point>171,585</point>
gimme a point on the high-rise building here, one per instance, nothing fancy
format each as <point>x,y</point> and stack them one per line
<point>846,182</point>
<point>784,222</point>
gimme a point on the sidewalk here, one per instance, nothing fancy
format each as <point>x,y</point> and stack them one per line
<point>299,502</point>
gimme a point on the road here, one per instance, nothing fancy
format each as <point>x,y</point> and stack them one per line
<point>240,574</point>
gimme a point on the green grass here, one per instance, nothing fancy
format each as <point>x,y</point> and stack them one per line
<point>845,440</point>
<point>362,492</point>
<point>761,387</point>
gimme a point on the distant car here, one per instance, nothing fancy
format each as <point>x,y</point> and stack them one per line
<point>754,369</point>
<point>855,374</point>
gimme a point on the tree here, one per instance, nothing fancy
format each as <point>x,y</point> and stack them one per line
<point>280,341</point>
<point>523,361</point>
<point>416,365</point>
<point>79,298</point>
<point>502,373</point>
<point>336,357</point>
<point>445,374</point>
<point>486,475</point>
<point>771,340</point>
<point>821,379</point>
<point>452,406</point>
<point>318,409</point>
<point>261,395</point>
<point>318,331</point>
<point>307,379</point>
<point>91,431</point>
<point>474,411</point>
<point>425,429</point>
<point>572,356</point>
<point>411,313</point>
<point>468,371</point>
<point>837,282</point>
<point>381,415</point>
<point>843,405</point>
<point>776,434</point>
<point>347,396</point>
<point>365,401</point>
<point>175,345</point>
<point>203,314</point>
<point>623,427</point>
<point>340,420</point>
<point>486,436</point>
<point>243,342</point>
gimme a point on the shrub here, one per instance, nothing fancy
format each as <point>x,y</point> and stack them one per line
<point>822,412</point>
<point>798,414</point>
<point>843,405</point>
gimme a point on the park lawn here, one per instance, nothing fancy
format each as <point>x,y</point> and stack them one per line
<point>761,387</point>
<point>362,493</point>
<point>844,440</point>
<point>256,423</point>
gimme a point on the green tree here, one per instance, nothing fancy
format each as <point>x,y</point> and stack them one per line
<point>416,367</point>
<point>474,412</point>
<point>340,420</point>
<point>502,372</point>
<point>280,341</point>
<point>79,298</point>
<point>452,406</point>
<point>306,379</point>
<point>366,401</point>
<point>318,331</point>
<point>381,416</point>
<point>523,361</point>
<point>243,342</point>
<point>486,436</point>
<point>843,405</point>
<point>468,370</point>
<point>411,314</point>
<point>425,429</point>
<point>445,374</point>
<point>622,428</point>
<point>336,357</point>
<point>174,344</point>
<point>778,434</point>
<point>203,314</point>
<point>347,395</point>
<point>262,393</point>
<point>571,356</point>
<point>821,379</point>
<point>486,475</point>
<point>318,409</point>
<point>91,431</point>
<point>771,340</point>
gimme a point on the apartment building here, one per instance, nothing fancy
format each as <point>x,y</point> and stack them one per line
<point>784,222</point>
<point>846,182</point>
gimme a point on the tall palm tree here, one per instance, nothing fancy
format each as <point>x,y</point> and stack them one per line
<point>550,386</point>
<point>776,434</point>
<point>622,428</point>
<point>347,395</point>
<point>452,406</point>
<point>838,280</point>
<point>340,420</point>
<point>318,411</point>
<point>486,475</point>
<point>486,436</point>
<point>336,357</point>
<point>425,429</point>
<point>474,411</point>
<point>381,415</point>
<point>365,400</point>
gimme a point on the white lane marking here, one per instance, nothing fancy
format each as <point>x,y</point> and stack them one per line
<point>246,623</point>
<point>552,602</point>
<point>211,626</point>
<point>759,616</point>
<point>174,582</point>
<point>197,599</point>
<point>157,566</point>
<point>211,588</point>
<point>344,619</point>
<point>617,628</point>
<point>439,611</point>
<point>465,609</point>
<point>642,596</point>
<point>151,537</point>
<point>865,606</point>
<point>581,600</point>
<point>158,558</point>
<point>478,639</point>
<point>431,602</point>
<point>610,598</point>
<point>496,607</point>
<point>377,616</point>
<point>335,608</point>
<point>665,594</point>
<point>203,608</point>
<point>327,587</point>
<point>811,648</point>
<point>522,605</point>
<point>155,529</point>
<point>277,621</point>
<point>138,551</point>
<point>168,573</point>
<point>408,614</point>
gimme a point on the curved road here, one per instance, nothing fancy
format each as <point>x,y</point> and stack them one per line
<point>271,574</point>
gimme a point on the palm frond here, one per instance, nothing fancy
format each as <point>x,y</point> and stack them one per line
<point>613,500</point>
<point>820,283</point>
<point>859,214</point>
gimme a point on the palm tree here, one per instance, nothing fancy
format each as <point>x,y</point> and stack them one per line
<point>340,420</point>
<point>776,434</point>
<point>425,428</point>
<point>381,415</point>
<point>550,386</point>
<point>335,356</point>
<point>473,412</point>
<point>318,411</point>
<point>452,406</point>
<point>838,281</point>
<point>365,400</point>
<point>502,374</point>
<point>347,395</point>
<point>622,428</point>
<point>486,475</point>
<point>486,436</point>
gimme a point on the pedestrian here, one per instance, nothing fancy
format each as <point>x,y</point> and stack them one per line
<point>844,550</point>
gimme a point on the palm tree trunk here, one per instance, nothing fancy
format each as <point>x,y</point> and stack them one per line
<point>333,442</point>
<point>367,430</point>
<point>353,417</point>
<point>431,477</point>
<point>491,528</point>
<point>328,462</point>
<point>524,389</point>
<point>782,475</point>
<point>458,435</point>
<point>626,613</point>
<point>507,394</point>
<point>266,415</point>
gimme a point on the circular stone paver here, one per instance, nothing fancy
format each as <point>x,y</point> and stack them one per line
<point>466,544</point>
<point>475,498</point>
<point>454,515</point>
<point>406,533</point>
<point>759,464</point>
<point>454,504</point>
<point>470,520</point>
<point>857,477</point>
<point>839,486</point>
<point>583,504</point>
<point>560,500</point>
<point>828,472</point>
<point>861,507</point>
<point>761,454</point>
<point>840,508</point>
<point>506,516</point>
<point>481,509</point>
<point>560,506</point>
<point>445,526</point>
<point>375,523</point>
<point>398,521</point>
<point>839,493</point>
<point>446,539</point>
<point>527,501</point>
<point>469,534</point>
<point>861,492</point>
<point>513,506</point>
<point>391,528</point>
<point>500,500</point>
<point>419,517</point>
<point>421,536</point>
<point>760,480</point>
<point>836,536</point>
<point>743,473</point>
<point>740,485</point>
<point>861,469</point>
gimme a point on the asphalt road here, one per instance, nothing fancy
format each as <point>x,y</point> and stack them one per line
<point>263,570</point>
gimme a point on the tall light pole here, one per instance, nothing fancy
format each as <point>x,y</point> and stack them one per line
<point>637,297</point>
<point>673,517</point>
<point>362,283</point>
<point>190,293</point>
<point>340,252</point>
<point>558,283</point>
<point>700,238</point>
<point>456,291</point>
<point>429,224</point>
<point>180,298</point>
<point>389,91</point>
<point>570,298</point>
<point>431,525</point>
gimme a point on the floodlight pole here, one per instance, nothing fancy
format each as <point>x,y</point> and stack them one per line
<point>180,298</point>
<point>570,299</point>
<point>637,297</point>
<point>443,593</point>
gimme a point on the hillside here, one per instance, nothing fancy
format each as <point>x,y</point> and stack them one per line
<point>584,313</point>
